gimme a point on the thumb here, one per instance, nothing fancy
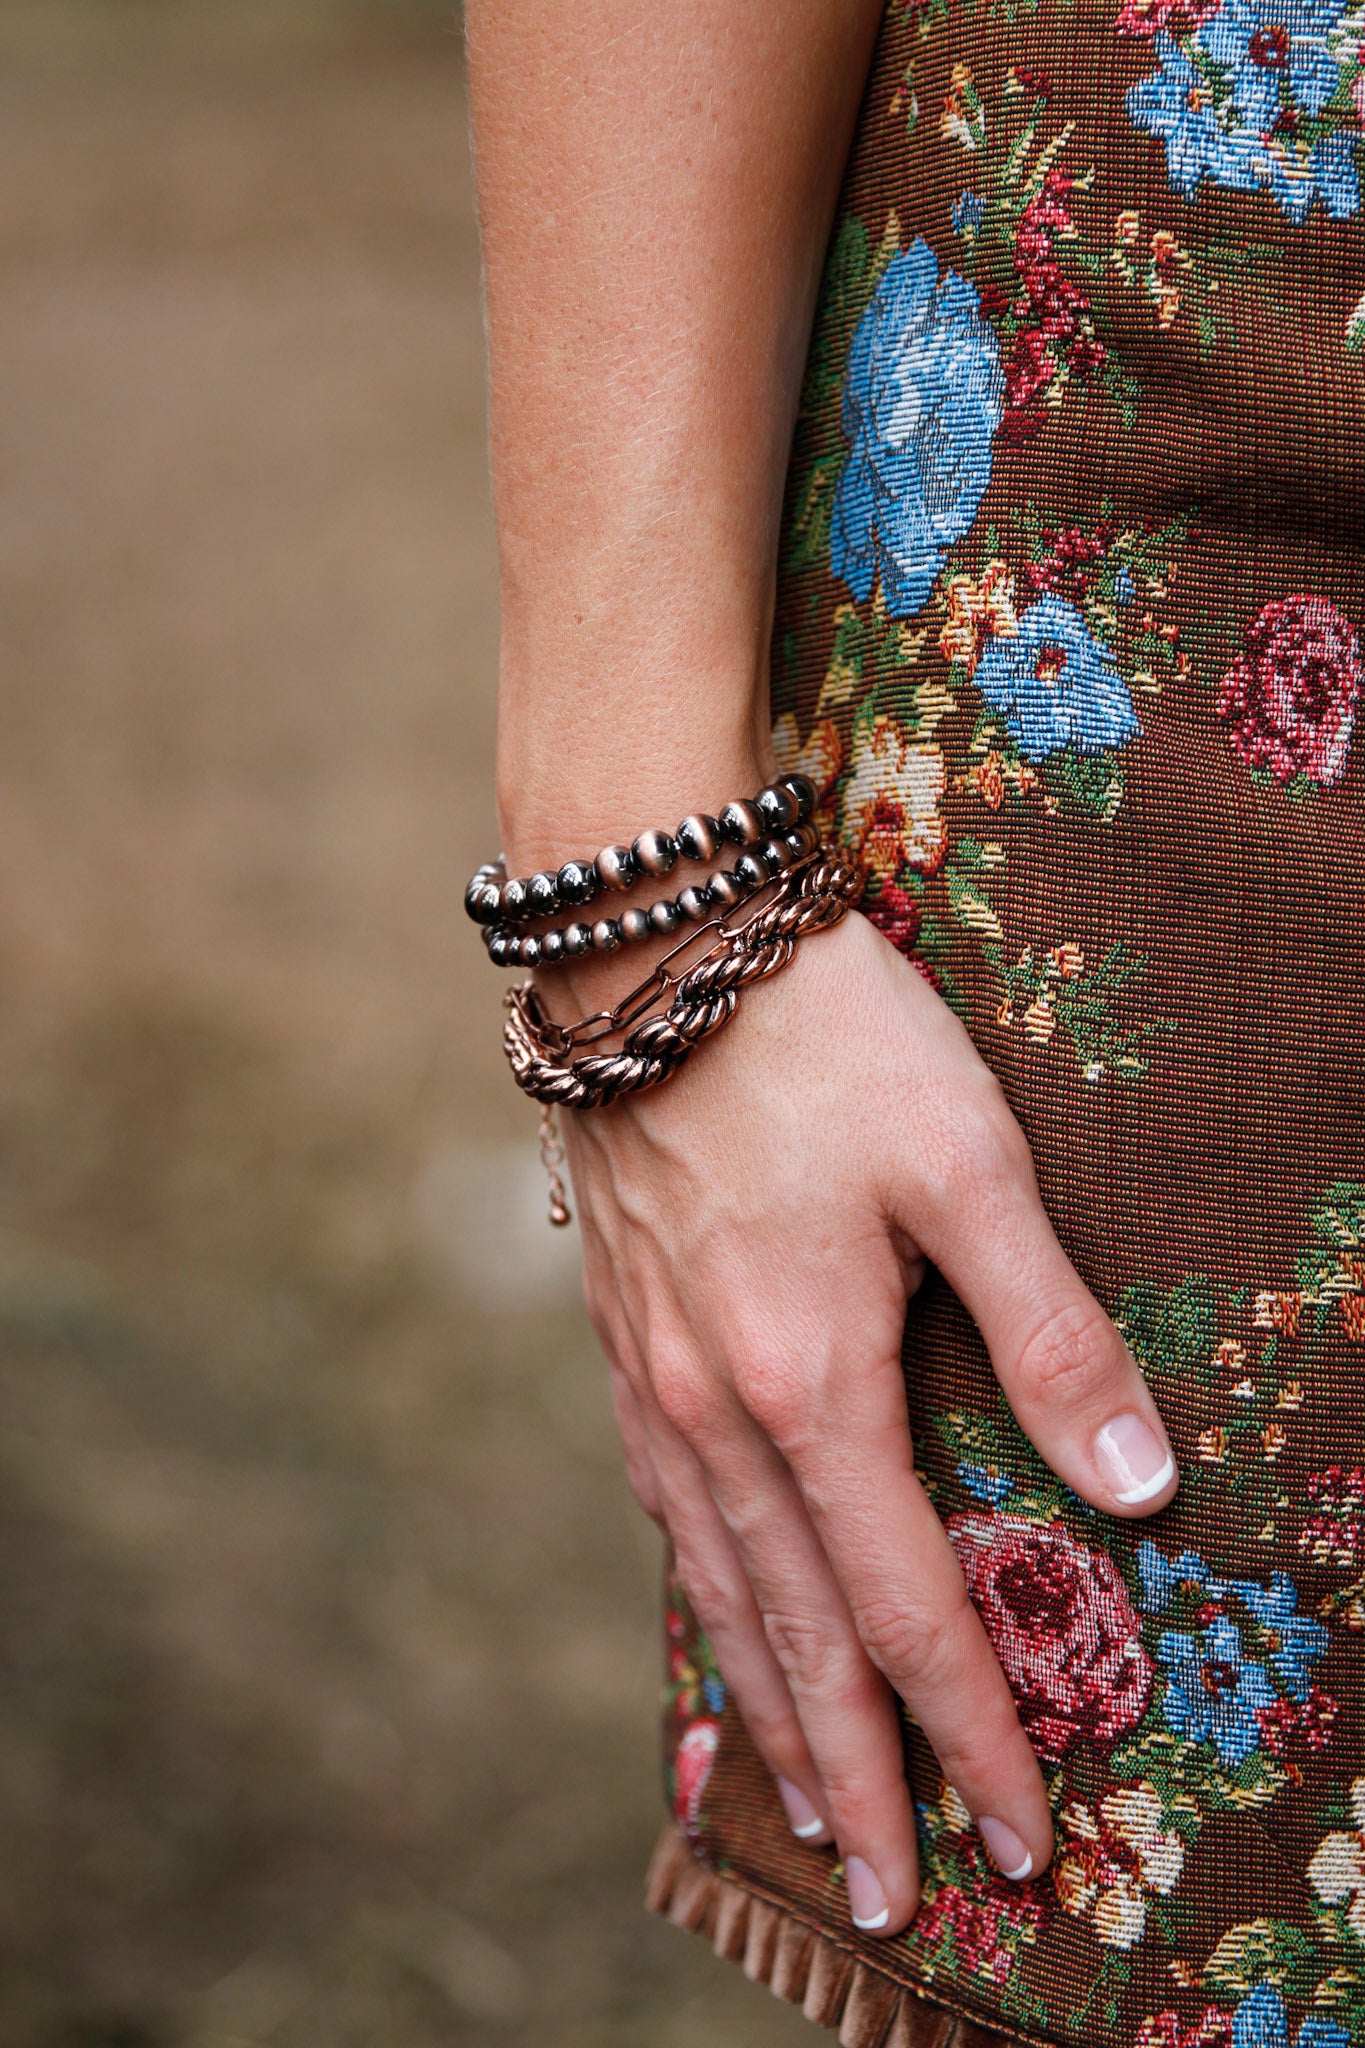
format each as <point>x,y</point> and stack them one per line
<point>1074,1386</point>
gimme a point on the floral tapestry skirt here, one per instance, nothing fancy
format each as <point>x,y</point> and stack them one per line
<point>1069,629</point>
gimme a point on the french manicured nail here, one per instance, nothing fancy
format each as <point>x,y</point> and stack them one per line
<point>806,1823</point>
<point>1134,1459</point>
<point>866,1899</point>
<point>1007,1848</point>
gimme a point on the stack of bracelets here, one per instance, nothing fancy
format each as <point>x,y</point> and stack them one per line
<point>806,887</point>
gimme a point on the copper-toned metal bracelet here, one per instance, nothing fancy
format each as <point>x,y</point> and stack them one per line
<point>810,897</point>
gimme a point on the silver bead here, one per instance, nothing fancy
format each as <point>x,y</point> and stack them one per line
<point>498,945</point>
<point>664,917</point>
<point>726,889</point>
<point>699,836</point>
<point>576,882</point>
<point>655,852</point>
<point>516,899</point>
<point>695,902</point>
<point>634,926</point>
<point>543,894</point>
<point>615,867</point>
<point>803,789</point>
<point>606,935</point>
<point>752,869</point>
<point>777,855</point>
<point>742,822</point>
<point>530,951</point>
<point>483,900</point>
<point>552,948</point>
<point>577,938</point>
<point>779,807</point>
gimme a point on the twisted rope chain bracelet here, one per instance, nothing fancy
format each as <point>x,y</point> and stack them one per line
<point>810,897</point>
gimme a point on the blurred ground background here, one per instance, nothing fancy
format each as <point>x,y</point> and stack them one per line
<point>327,1629</point>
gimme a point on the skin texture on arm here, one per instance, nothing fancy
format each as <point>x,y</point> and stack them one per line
<point>656,190</point>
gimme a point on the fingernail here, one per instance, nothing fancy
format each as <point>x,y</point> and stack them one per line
<point>805,1821</point>
<point>1009,1850</point>
<point>1136,1462</point>
<point>866,1899</point>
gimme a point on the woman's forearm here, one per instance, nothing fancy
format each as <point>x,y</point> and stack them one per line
<point>656,187</point>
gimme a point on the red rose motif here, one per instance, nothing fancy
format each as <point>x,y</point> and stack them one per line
<point>1061,1623</point>
<point>692,1767</point>
<point>1291,694</point>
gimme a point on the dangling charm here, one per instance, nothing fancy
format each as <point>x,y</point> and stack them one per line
<point>552,1158</point>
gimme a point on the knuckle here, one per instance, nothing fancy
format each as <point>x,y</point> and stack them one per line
<point>911,1645</point>
<point>1068,1352</point>
<point>717,1599</point>
<point>683,1395</point>
<point>778,1403</point>
<point>806,1649</point>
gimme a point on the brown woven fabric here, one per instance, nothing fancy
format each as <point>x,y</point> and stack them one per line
<point>1073,587</point>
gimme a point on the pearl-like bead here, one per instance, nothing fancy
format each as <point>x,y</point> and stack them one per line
<point>543,895</point>
<point>516,899</point>
<point>577,938</point>
<point>699,836</point>
<point>655,852</point>
<point>606,935</point>
<point>779,807</point>
<point>695,902</point>
<point>742,822</point>
<point>615,867</point>
<point>664,917</point>
<point>726,889</point>
<point>576,882</point>
<point>634,925</point>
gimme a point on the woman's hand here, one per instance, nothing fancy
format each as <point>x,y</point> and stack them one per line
<point>751,1233</point>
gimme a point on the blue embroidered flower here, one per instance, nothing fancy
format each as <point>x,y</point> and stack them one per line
<point>1273,49</point>
<point>1260,2020</point>
<point>1215,1686</point>
<point>1299,1641</point>
<point>923,396</point>
<point>1056,684</point>
<point>985,1484</point>
<point>969,210</point>
<point>1161,1578</point>
<point>1317,2032</point>
<point>1238,101</point>
<point>713,1691</point>
<point>1125,590</point>
<point>1176,105</point>
<point>1215,1689</point>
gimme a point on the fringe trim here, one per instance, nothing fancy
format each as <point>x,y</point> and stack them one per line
<point>832,1987</point>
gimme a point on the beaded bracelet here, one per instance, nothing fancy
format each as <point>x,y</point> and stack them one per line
<point>492,899</point>
<point>544,1056</point>
<point>724,890</point>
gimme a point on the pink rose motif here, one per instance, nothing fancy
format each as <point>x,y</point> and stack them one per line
<point>1291,694</point>
<point>692,1767</point>
<point>1061,1623</point>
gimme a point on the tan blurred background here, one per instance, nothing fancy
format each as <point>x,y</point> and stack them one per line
<point>327,1627</point>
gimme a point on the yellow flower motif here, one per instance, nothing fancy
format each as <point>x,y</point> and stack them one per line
<point>977,612</point>
<point>1212,1445</point>
<point>1336,1869</point>
<point>1290,1395</point>
<point>1112,1857</point>
<point>1127,227</point>
<point>821,758</point>
<point>1230,1354</point>
<point>1067,959</point>
<point>1274,1437</point>
<point>891,803</point>
<point>1039,1020</point>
